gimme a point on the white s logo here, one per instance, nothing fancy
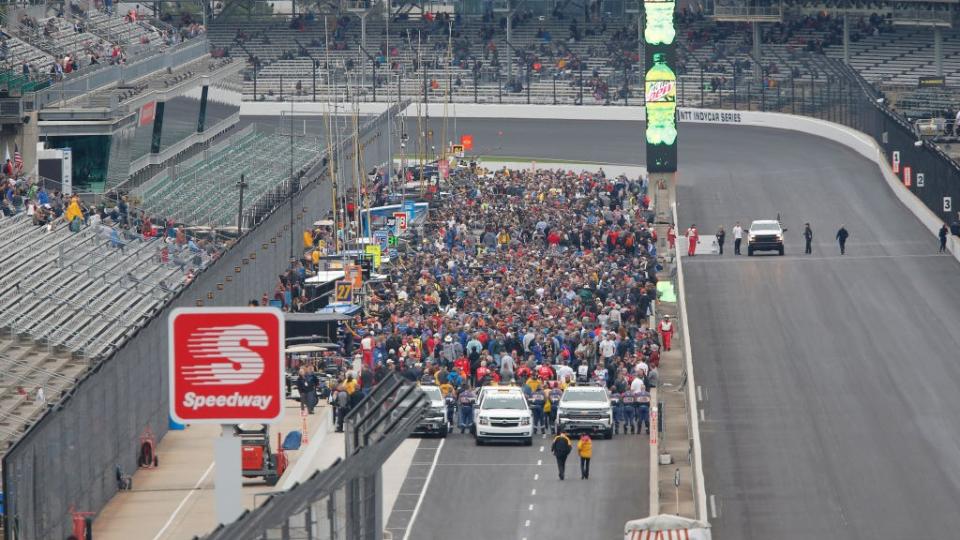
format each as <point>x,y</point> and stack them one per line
<point>240,364</point>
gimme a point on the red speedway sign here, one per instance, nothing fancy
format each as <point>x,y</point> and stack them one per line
<point>226,365</point>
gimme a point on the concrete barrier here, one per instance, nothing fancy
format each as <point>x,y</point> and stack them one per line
<point>700,492</point>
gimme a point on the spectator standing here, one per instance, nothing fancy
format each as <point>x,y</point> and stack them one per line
<point>842,236</point>
<point>737,238</point>
<point>585,449</point>
<point>307,387</point>
<point>561,449</point>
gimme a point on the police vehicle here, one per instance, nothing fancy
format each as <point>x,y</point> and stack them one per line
<point>434,421</point>
<point>586,409</point>
<point>502,414</point>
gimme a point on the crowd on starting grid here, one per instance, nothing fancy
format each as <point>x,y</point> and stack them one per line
<point>540,278</point>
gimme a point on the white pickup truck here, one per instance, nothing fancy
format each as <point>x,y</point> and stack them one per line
<point>585,409</point>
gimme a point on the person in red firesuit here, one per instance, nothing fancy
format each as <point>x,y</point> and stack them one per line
<point>665,328</point>
<point>671,237</point>
<point>693,238</point>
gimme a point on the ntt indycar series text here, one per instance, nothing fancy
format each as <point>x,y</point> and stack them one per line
<point>192,400</point>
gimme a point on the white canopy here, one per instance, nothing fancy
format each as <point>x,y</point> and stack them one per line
<point>324,277</point>
<point>307,348</point>
<point>666,527</point>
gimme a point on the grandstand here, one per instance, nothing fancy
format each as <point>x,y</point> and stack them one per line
<point>888,47</point>
<point>204,189</point>
<point>71,298</point>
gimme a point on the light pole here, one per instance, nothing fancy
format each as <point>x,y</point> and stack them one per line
<point>290,195</point>
<point>241,184</point>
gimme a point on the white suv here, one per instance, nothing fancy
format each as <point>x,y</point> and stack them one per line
<point>435,418</point>
<point>765,235</point>
<point>585,409</point>
<point>503,414</point>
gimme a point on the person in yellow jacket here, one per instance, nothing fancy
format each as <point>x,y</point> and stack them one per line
<point>585,449</point>
<point>73,210</point>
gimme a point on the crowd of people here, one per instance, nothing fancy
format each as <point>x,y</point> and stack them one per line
<point>542,279</point>
<point>536,278</point>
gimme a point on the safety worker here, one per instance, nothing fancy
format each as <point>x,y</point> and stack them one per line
<point>693,238</point>
<point>556,392</point>
<point>629,406</point>
<point>537,400</point>
<point>616,405</point>
<point>665,328</point>
<point>466,399</point>
<point>585,449</point>
<point>807,238</point>
<point>450,400</point>
<point>943,238</point>
<point>561,449</point>
<point>721,237</point>
<point>643,408</point>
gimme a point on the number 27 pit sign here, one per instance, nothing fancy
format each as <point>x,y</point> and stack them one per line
<point>226,365</point>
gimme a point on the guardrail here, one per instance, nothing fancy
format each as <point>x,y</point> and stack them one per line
<point>693,421</point>
<point>109,74</point>
<point>183,144</point>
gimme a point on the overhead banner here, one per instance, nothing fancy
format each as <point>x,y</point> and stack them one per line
<point>660,85</point>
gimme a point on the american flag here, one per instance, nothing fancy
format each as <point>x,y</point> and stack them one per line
<point>17,159</point>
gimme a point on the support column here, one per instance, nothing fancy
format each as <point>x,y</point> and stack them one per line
<point>938,49</point>
<point>509,48</point>
<point>157,128</point>
<point>664,189</point>
<point>202,119</point>
<point>758,59</point>
<point>363,49</point>
<point>29,138</point>
<point>846,39</point>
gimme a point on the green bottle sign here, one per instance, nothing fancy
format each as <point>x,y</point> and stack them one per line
<point>659,29</point>
<point>661,99</point>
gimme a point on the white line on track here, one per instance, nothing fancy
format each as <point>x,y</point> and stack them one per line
<point>530,508</point>
<point>701,416</point>
<point>423,492</point>
<point>713,506</point>
<point>541,449</point>
<point>526,523</point>
<point>184,501</point>
<point>533,492</point>
<point>536,476</point>
<point>539,462</point>
<point>699,392</point>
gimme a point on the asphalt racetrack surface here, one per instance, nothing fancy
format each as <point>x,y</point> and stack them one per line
<point>831,383</point>
<point>507,490</point>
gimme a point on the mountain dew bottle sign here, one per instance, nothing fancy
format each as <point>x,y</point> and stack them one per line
<point>661,94</point>
<point>659,29</point>
<point>660,86</point>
